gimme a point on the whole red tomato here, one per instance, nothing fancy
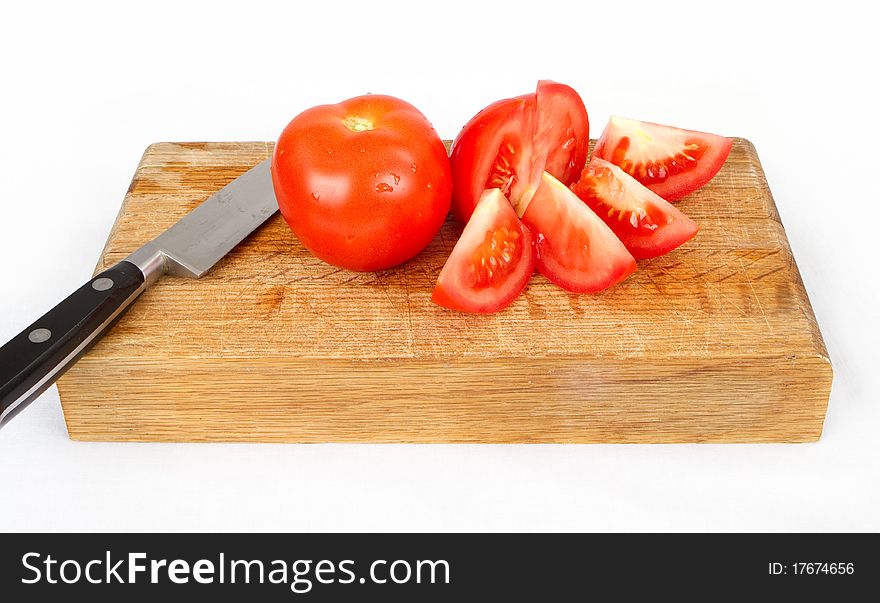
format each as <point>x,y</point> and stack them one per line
<point>364,184</point>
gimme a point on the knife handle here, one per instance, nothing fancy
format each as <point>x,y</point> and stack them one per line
<point>39,355</point>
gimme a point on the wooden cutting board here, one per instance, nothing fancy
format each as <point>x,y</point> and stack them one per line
<point>714,342</point>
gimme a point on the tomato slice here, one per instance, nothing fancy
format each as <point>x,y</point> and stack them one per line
<point>491,262</point>
<point>562,131</point>
<point>645,223</point>
<point>493,150</point>
<point>670,161</point>
<point>511,142</point>
<point>575,248</point>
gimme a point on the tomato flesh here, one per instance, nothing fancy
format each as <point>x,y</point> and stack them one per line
<point>575,248</point>
<point>670,161</point>
<point>491,262</point>
<point>511,169</point>
<point>645,223</point>
<point>364,184</point>
<point>511,142</point>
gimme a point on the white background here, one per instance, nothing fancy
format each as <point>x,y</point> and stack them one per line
<point>85,88</point>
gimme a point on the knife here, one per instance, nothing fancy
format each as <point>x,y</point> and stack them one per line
<point>39,355</point>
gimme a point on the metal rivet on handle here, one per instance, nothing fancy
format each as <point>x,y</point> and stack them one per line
<point>39,335</point>
<point>102,284</point>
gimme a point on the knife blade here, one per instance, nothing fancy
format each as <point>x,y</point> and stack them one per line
<point>34,359</point>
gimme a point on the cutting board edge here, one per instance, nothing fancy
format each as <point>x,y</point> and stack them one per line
<point>541,401</point>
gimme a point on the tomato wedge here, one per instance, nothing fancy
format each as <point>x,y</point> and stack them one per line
<point>491,262</point>
<point>493,150</point>
<point>575,248</point>
<point>645,223</point>
<point>562,131</point>
<point>670,161</point>
<point>511,142</point>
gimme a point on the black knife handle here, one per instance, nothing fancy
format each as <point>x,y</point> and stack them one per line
<point>34,359</point>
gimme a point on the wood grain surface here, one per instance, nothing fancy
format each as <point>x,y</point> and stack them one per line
<point>714,342</point>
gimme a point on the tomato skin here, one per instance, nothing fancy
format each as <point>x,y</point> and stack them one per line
<point>670,161</point>
<point>575,248</point>
<point>492,261</point>
<point>645,223</point>
<point>511,142</point>
<point>364,184</point>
